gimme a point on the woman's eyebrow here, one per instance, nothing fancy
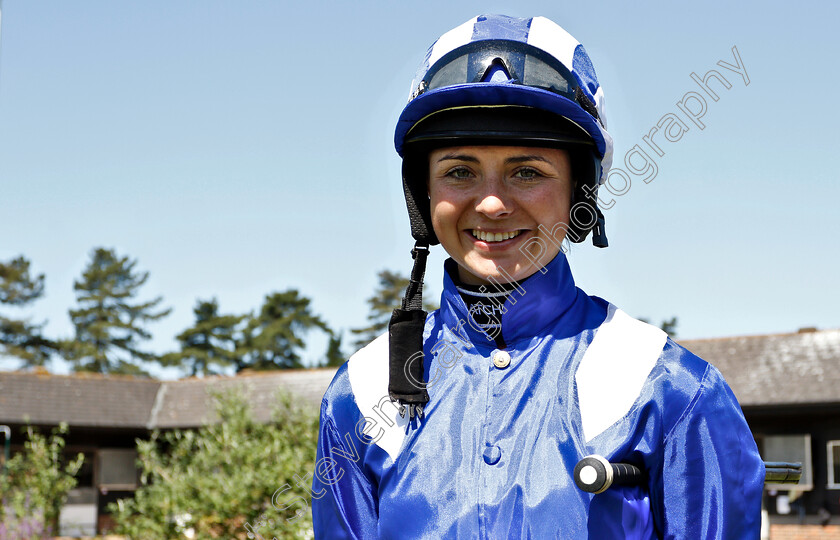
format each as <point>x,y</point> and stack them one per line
<point>459,157</point>
<point>523,159</point>
<point>509,161</point>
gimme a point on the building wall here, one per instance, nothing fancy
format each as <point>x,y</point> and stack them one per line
<point>823,425</point>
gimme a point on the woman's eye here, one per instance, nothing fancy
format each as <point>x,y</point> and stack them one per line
<point>527,174</point>
<point>459,172</point>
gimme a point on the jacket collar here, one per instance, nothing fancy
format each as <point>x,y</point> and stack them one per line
<point>548,298</point>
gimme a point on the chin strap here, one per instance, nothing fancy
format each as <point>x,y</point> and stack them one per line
<point>406,384</point>
<point>599,233</point>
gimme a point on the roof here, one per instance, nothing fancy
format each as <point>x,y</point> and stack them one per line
<point>800,368</point>
<point>42,398</point>
<point>128,402</point>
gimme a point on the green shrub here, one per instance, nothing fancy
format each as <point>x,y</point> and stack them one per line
<point>35,486</point>
<point>212,481</point>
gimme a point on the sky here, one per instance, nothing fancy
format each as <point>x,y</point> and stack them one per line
<point>236,149</point>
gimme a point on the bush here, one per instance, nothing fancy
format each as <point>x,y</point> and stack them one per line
<point>214,481</point>
<point>35,486</point>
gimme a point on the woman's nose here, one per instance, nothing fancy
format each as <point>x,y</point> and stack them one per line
<point>494,201</point>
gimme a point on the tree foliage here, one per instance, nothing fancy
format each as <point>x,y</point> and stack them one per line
<point>109,326</point>
<point>210,342</point>
<point>35,485</point>
<point>386,298</point>
<point>334,357</point>
<point>18,286</point>
<point>274,338</point>
<point>220,480</point>
<point>669,326</point>
<point>19,337</point>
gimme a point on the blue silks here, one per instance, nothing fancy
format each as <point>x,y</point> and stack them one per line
<point>493,455</point>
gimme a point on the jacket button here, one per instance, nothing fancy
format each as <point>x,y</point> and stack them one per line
<point>492,454</point>
<point>501,359</point>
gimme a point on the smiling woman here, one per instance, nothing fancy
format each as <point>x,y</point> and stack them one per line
<point>489,202</point>
<point>471,420</point>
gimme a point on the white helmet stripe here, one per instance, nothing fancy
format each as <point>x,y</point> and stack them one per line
<point>606,161</point>
<point>599,105</point>
<point>458,36</point>
<point>547,35</point>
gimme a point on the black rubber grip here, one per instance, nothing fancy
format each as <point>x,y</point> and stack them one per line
<point>594,474</point>
<point>779,472</point>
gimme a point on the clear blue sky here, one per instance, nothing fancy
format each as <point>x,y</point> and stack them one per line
<point>240,148</point>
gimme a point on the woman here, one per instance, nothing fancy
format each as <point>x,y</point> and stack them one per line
<point>469,422</point>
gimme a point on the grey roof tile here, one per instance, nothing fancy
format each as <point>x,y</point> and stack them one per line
<point>81,400</point>
<point>99,400</point>
<point>777,369</point>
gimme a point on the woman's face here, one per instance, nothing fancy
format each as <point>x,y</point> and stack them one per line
<point>500,212</point>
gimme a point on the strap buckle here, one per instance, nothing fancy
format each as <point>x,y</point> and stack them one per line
<point>418,247</point>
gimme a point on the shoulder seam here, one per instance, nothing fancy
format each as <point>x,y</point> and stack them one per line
<point>330,426</point>
<point>695,399</point>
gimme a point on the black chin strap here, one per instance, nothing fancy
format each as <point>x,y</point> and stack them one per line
<point>406,383</point>
<point>599,234</point>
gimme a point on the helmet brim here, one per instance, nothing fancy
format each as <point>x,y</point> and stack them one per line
<point>494,95</point>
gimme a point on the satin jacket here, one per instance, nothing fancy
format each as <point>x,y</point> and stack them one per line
<point>494,453</point>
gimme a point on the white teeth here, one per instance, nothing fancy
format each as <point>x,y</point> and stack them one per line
<point>494,237</point>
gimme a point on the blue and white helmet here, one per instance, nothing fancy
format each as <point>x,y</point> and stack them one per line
<point>493,80</point>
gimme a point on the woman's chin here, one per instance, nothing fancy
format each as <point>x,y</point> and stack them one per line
<point>485,271</point>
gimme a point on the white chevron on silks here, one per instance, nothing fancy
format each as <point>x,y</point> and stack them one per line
<point>614,369</point>
<point>368,372</point>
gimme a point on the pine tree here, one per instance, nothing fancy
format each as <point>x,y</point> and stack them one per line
<point>668,326</point>
<point>386,298</point>
<point>210,343</point>
<point>17,286</point>
<point>18,337</point>
<point>109,327</point>
<point>273,339</point>
<point>334,356</point>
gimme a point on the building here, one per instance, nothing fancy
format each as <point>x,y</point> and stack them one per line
<point>788,386</point>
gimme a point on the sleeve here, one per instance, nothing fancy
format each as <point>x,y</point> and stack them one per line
<point>712,476</point>
<point>344,500</point>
